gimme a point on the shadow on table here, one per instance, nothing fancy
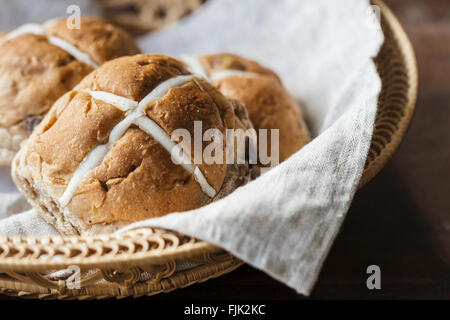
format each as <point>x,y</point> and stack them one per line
<point>384,227</point>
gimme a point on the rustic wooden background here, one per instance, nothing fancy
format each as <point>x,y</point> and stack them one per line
<point>399,221</point>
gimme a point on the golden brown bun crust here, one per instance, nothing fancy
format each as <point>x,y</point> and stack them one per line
<point>35,73</point>
<point>269,104</point>
<point>137,179</point>
<point>228,61</point>
<point>101,40</point>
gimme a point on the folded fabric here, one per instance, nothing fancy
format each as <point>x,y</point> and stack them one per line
<point>27,224</point>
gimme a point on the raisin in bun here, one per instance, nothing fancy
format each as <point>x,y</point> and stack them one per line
<point>269,104</point>
<point>39,63</point>
<point>101,158</point>
<point>142,16</point>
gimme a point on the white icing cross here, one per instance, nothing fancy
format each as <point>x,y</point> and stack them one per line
<point>195,66</point>
<point>39,29</point>
<point>135,115</point>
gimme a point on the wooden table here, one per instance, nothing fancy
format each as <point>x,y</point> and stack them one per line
<point>401,220</point>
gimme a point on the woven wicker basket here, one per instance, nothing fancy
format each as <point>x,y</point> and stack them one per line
<point>113,265</point>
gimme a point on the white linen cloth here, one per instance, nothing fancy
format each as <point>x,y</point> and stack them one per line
<point>285,221</point>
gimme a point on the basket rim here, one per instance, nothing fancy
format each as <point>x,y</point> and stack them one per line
<point>409,57</point>
<point>173,249</point>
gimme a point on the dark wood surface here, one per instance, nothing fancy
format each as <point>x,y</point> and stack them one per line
<point>401,220</point>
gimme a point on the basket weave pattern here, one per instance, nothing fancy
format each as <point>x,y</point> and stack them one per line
<point>396,65</point>
<point>113,265</point>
